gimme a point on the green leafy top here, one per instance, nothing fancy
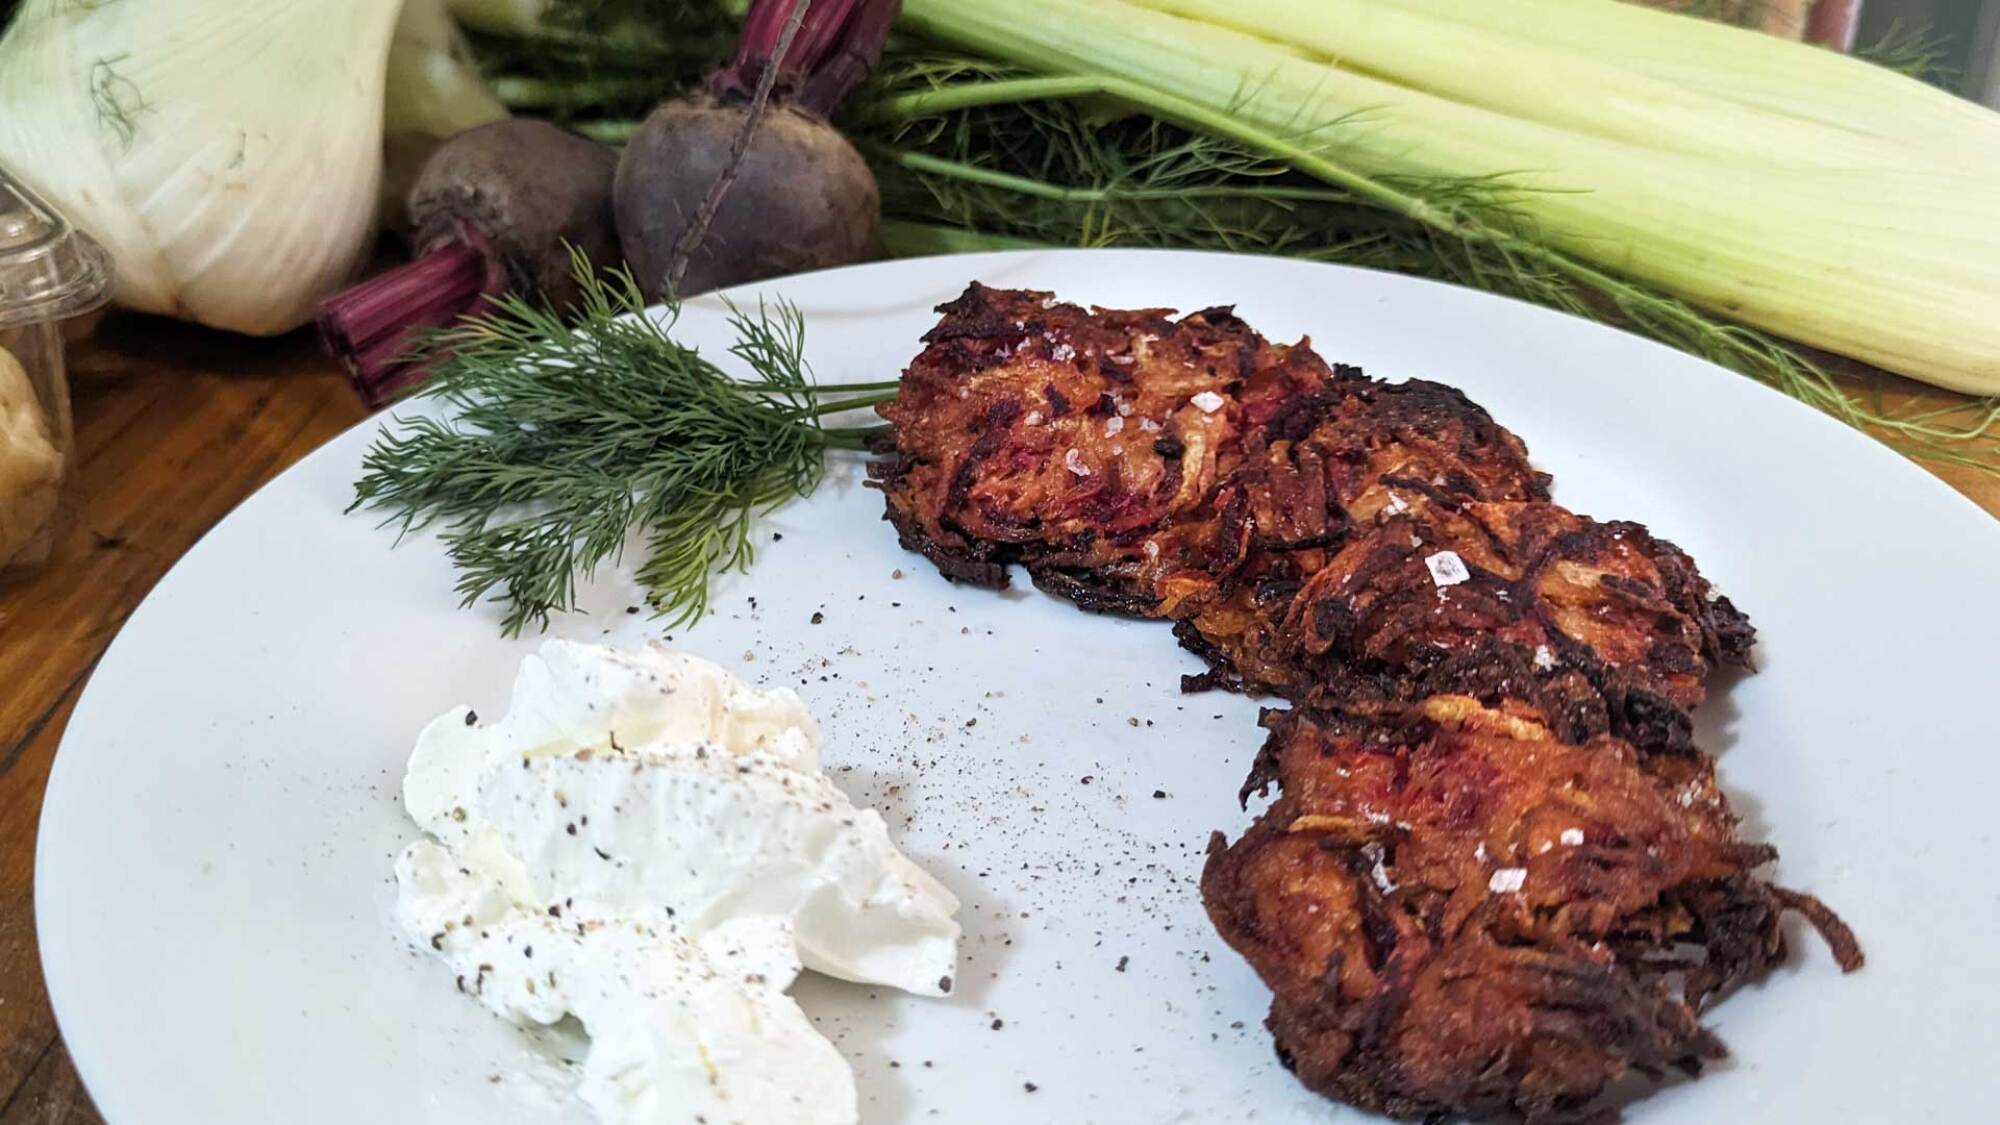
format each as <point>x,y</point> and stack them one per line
<point>557,439</point>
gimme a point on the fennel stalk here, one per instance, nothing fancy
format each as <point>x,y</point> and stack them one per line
<point>1016,156</point>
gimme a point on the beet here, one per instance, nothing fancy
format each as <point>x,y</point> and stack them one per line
<point>531,189</point>
<point>803,198</point>
<point>494,210</point>
<point>747,179</point>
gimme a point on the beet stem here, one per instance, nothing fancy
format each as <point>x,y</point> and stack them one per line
<point>859,49</point>
<point>697,228</point>
<point>818,36</point>
<point>824,29</point>
<point>374,327</point>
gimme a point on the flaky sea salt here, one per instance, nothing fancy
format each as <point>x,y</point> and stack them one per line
<point>1396,505</point>
<point>1113,425</point>
<point>1148,425</point>
<point>1074,461</point>
<point>1507,880</point>
<point>1062,353</point>
<point>1380,872</point>
<point>1447,569</point>
<point>1208,401</point>
<point>1544,659</point>
<point>1571,837</point>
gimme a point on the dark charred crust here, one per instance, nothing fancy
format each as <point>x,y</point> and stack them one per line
<point>1734,635</point>
<point>1058,405</point>
<point>1382,631</point>
<point>1219,677</point>
<point>980,313</point>
<point>881,443</point>
<point>1219,316</point>
<point>1536,685</point>
<point>964,566</point>
<point>1091,591</point>
<point>1215,679</point>
<point>1647,720</point>
<point>1264,768</point>
<point>1436,494</point>
<point>1296,417</point>
<point>1526,1012</point>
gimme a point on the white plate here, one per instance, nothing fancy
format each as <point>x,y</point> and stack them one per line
<point>215,848</point>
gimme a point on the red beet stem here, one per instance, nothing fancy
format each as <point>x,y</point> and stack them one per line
<point>859,49</point>
<point>1832,23</point>
<point>375,328</point>
<point>835,45</point>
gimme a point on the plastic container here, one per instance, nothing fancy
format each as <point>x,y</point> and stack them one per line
<point>49,272</point>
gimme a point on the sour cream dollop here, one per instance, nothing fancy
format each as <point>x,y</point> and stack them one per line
<point>647,843</point>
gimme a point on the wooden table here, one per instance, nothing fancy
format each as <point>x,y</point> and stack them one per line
<point>175,426</point>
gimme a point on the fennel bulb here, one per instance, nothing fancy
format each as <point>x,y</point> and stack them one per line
<point>433,91</point>
<point>226,152</point>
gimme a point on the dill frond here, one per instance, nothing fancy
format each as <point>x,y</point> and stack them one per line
<point>555,440</point>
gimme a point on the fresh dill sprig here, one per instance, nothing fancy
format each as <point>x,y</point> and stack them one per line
<point>557,439</point>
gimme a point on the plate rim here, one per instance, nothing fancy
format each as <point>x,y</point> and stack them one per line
<point>59,806</point>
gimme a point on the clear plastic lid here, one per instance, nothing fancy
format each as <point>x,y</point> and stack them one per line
<point>49,270</point>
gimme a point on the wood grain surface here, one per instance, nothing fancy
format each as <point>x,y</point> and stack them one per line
<point>176,426</point>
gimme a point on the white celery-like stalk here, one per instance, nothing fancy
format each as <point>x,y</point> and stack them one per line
<point>1799,79</point>
<point>1895,265</point>
<point>1591,92</point>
